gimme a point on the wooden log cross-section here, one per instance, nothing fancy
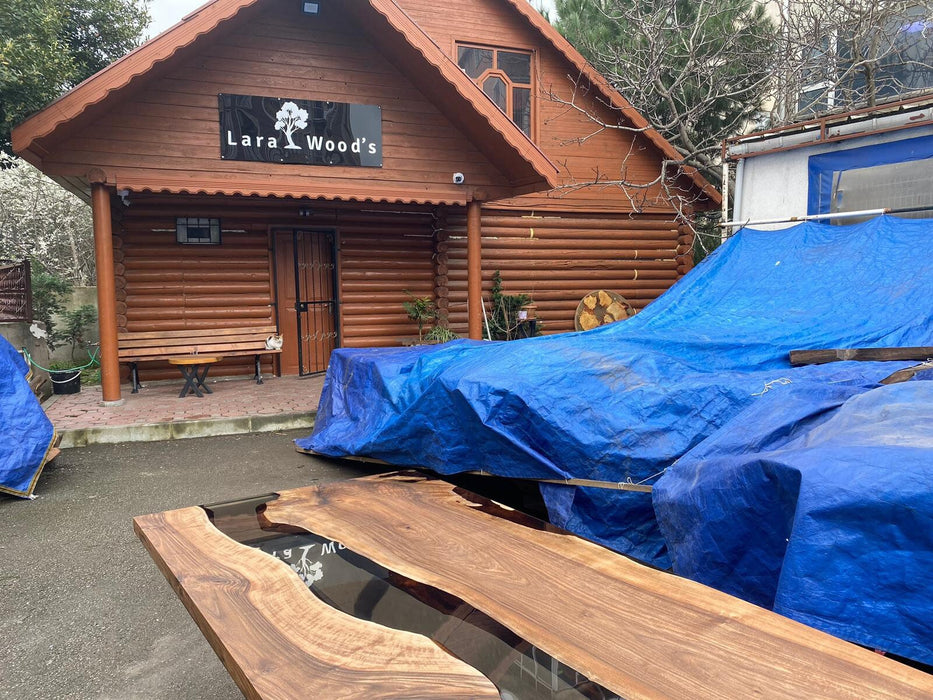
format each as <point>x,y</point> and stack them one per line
<point>636,631</point>
<point>600,308</point>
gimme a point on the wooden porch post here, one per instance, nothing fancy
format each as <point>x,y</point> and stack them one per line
<point>106,293</point>
<point>474,271</point>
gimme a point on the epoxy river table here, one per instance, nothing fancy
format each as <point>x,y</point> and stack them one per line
<point>404,586</point>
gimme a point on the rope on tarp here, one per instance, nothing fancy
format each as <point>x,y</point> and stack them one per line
<point>639,487</point>
<point>821,217</point>
<point>808,217</point>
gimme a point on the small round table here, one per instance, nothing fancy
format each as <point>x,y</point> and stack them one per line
<point>194,370</point>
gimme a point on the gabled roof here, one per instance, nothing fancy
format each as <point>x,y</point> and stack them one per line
<point>613,96</point>
<point>122,72</point>
<point>409,45</point>
<point>423,62</point>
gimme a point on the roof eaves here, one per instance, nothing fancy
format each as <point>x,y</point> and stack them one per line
<point>122,72</point>
<point>481,103</point>
<point>895,115</point>
<point>615,98</point>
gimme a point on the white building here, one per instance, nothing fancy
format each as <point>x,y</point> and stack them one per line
<point>873,158</point>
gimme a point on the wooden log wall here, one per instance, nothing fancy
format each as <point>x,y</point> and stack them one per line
<point>381,258</point>
<point>559,258</point>
<point>163,285</point>
<point>383,253</point>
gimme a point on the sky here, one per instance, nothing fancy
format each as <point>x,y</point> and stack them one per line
<point>165,13</point>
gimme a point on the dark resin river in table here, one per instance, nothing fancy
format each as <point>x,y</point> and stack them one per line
<point>358,586</point>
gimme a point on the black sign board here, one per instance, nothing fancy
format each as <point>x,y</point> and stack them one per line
<point>284,130</point>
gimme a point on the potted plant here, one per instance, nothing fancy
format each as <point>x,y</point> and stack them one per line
<point>66,379</point>
<point>424,311</point>
<point>421,310</point>
<point>513,316</point>
<point>77,322</point>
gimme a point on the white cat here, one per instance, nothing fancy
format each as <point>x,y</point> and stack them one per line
<point>274,342</point>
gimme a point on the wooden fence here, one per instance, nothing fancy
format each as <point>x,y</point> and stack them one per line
<point>15,291</point>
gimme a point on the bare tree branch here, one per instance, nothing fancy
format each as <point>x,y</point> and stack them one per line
<point>846,54</point>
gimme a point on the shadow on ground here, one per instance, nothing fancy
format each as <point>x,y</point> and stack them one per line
<point>84,612</point>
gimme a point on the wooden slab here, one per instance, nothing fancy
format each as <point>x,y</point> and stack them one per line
<point>639,632</point>
<point>906,374</point>
<point>276,639</point>
<point>819,357</point>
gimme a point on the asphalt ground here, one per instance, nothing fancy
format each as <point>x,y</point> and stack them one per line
<point>84,612</point>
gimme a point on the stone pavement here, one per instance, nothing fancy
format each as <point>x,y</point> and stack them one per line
<point>238,405</point>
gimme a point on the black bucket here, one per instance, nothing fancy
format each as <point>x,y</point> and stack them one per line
<point>66,382</point>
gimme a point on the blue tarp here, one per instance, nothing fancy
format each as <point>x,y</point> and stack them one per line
<point>624,401</point>
<point>819,505</point>
<point>823,167</point>
<point>26,432</point>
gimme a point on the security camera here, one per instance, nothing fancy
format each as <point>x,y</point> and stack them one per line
<point>459,179</point>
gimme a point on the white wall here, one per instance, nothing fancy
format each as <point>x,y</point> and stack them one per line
<point>774,185</point>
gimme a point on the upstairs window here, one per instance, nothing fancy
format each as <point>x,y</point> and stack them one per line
<point>504,75</point>
<point>895,175</point>
<point>856,62</point>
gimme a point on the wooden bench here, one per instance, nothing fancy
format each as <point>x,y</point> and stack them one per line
<point>149,346</point>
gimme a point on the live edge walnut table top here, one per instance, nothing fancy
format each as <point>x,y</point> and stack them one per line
<point>634,631</point>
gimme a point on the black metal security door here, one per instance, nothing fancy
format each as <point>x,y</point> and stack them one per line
<point>306,298</point>
<point>315,298</point>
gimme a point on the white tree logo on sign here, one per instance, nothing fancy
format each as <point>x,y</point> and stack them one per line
<point>290,118</point>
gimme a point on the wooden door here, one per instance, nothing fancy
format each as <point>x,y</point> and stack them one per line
<point>305,271</point>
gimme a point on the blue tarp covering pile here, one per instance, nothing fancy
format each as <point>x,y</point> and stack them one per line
<point>625,401</point>
<point>819,505</point>
<point>27,433</point>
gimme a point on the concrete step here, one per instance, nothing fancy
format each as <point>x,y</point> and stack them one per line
<point>177,430</point>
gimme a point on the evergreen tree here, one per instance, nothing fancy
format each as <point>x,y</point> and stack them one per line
<point>698,70</point>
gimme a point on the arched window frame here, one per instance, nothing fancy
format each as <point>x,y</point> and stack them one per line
<point>495,73</point>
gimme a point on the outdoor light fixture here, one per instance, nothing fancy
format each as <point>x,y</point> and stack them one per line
<point>195,231</point>
<point>311,8</point>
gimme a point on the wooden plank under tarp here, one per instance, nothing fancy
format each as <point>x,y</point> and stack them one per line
<point>819,357</point>
<point>637,631</point>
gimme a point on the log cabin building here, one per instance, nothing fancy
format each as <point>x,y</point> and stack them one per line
<point>307,164</point>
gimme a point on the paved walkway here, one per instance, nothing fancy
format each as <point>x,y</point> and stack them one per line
<point>156,413</point>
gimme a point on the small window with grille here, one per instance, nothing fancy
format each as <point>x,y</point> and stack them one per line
<point>196,231</point>
<point>505,76</point>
